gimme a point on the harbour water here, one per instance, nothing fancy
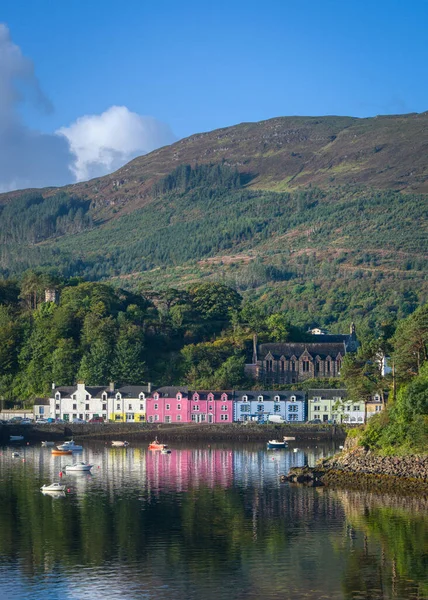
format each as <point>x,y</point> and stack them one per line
<point>204,522</point>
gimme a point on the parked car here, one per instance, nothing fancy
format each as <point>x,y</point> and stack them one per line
<point>96,420</point>
<point>315,421</point>
<point>79,421</point>
<point>26,422</point>
<point>42,422</point>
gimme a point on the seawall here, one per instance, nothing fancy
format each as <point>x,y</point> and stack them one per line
<point>172,432</point>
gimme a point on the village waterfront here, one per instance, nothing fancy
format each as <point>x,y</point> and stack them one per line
<point>211,519</point>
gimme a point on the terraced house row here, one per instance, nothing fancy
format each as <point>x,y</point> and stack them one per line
<point>133,403</point>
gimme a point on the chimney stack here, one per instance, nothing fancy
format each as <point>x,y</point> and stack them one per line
<point>53,385</point>
<point>111,386</point>
<point>149,387</point>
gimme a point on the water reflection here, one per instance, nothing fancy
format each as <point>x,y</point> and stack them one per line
<point>208,520</point>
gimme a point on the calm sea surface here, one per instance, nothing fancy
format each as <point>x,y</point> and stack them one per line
<point>205,522</point>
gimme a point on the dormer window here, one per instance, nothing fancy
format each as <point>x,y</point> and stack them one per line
<point>57,396</point>
<point>156,397</point>
<point>260,399</point>
<point>104,396</point>
<point>141,396</point>
<point>118,397</point>
<point>293,398</point>
<point>276,398</point>
<point>179,396</point>
<point>244,398</point>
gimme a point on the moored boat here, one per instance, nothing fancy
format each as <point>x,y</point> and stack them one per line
<point>71,445</point>
<point>48,444</point>
<point>52,487</point>
<point>16,438</point>
<point>165,451</point>
<point>79,467</point>
<point>272,444</point>
<point>156,445</point>
<point>61,452</point>
<point>119,444</point>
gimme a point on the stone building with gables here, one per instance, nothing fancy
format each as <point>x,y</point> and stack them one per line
<point>294,362</point>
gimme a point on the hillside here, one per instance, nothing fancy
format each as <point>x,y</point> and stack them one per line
<point>324,218</point>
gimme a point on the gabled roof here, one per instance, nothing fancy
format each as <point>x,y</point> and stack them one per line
<point>269,395</point>
<point>327,394</point>
<point>297,349</point>
<point>133,391</point>
<point>171,391</point>
<point>203,394</point>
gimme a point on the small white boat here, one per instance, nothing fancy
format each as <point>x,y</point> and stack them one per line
<point>53,487</point>
<point>15,455</point>
<point>70,446</point>
<point>79,467</point>
<point>53,494</point>
<point>119,444</point>
<point>16,438</point>
<point>48,444</point>
<point>165,451</point>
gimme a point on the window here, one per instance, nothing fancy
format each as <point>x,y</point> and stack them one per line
<point>86,406</point>
<point>210,407</point>
<point>293,398</point>
<point>224,407</point>
<point>196,407</point>
<point>339,365</point>
<point>129,406</point>
<point>203,417</point>
<point>348,407</point>
<point>150,419</point>
<point>156,406</point>
<point>178,406</point>
<point>293,365</point>
<point>42,410</point>
<point>66,417</point>
<point>282,366</point>
<point>305,366</point>
<point>224,417</point>
<point>317,367</point>
<point>245,408</point>
<point>156,397</point>
<point>167,418</point>
<point>276,408</point>
<point>325,408</point>
<point>328,366</point>
<point>156,417</point>
<point>293,417</point>
<point>141,397</point>
<point>117,417</point>
<point>378,408</point>
<point>293,408</point>
<point>194,417</point>
<point>118,406</point>
<point>260,399</point>
<point>356,408</point>
<point>317,407</point>
<point>87,417</point>
<point>74,396</point>
<point>178,417</point>
<point>74,416</point>
<point>244,398</point>
<point>276,399</point>
<point>104,406</point>
<point>74,406</point>
<point>269,365</point>
<point>57,406</point>
<point>87,397</point>
<point>104,396</point>
<point>57,396</point>
<point>179,396</point>
<point>167,407</point>
<point>260,408</point>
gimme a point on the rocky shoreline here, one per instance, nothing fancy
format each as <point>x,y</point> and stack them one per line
<point>357,468</point>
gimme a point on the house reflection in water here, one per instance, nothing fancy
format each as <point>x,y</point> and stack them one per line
<point>189,468</point>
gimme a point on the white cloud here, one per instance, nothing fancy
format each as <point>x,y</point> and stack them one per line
<point>103,143</point>
<point>91,146</point>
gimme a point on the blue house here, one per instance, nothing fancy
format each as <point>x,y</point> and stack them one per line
<point>263,406</point>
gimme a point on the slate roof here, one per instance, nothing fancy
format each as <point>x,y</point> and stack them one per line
<point>297,349</point>
<point>327,394</point>
<point>41,401</point>
<point>203,395</point>
<point>171,391</point>
<point>268,395</point>
<point>132,391</point>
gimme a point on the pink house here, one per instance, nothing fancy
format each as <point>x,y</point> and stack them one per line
<point>168,405</point>
<point>210,407</point>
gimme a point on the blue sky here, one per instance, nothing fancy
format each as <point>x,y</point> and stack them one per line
<point>197,66</point>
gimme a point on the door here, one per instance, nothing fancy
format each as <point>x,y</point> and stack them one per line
<point>210,418</point>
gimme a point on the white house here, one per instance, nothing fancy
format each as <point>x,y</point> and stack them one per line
<point>127,403</point>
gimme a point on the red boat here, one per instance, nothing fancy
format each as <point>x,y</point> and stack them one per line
<point>157,445</point>
<point>61,452</point>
